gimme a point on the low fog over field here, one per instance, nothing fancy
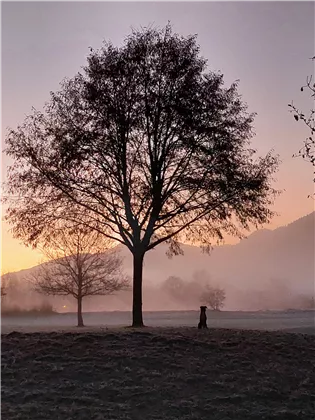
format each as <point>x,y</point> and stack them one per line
<point>290,321</point>
<point>271,270</point>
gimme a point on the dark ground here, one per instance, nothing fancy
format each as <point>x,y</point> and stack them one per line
<point>158,373</point>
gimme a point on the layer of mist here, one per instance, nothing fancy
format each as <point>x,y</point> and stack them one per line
<point>271,270</point>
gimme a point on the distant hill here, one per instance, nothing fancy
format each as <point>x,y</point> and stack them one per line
<point>285,253</point>
<point>279,261</point>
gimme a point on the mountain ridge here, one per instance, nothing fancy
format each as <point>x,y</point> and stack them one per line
<point>270,269</point>
<point>306,222</point>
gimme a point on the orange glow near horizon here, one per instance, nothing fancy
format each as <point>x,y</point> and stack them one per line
<point>15,256</point>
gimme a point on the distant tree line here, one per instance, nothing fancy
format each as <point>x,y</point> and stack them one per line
<point>200,288</point>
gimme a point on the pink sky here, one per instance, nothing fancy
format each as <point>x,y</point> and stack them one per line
<point>267,45</point>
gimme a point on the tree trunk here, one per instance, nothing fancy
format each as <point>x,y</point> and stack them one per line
<point>80,318</point>
<point>137,320</point>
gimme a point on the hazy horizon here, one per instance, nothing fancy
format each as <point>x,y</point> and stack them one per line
<point>258,274</point>
<point>42,259</point>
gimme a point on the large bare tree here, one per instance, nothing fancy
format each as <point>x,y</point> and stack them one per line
<point>148,146</point>
<point>79,266</point>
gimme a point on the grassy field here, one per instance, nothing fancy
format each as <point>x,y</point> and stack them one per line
<point>158,373</point>
<point>296,321</point>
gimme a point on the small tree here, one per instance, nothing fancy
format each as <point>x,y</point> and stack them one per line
<point>213,297</point>
<point>79,268</point>
<point>307,152</point>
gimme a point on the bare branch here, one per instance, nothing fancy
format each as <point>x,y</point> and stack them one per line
<point>79,265</point>
<point>307,152</point>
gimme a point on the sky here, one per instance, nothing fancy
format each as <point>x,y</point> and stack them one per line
<point>265,45</point>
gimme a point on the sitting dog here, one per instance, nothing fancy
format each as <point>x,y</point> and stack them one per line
<point>203,318</point>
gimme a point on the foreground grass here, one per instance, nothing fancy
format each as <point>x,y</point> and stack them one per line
<point>158,373</point>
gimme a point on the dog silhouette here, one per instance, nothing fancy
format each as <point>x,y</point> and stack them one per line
<point>203,318</point>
